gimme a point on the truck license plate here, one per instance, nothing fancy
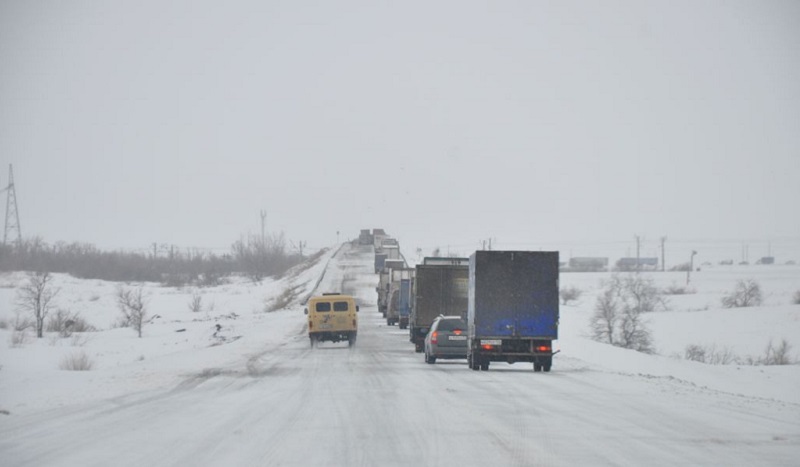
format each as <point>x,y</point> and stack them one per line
<point>325,326</point>
<point>491,342</point>
<point>457,338</point>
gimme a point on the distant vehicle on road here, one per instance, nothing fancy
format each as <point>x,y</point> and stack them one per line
<point>332,317</point>
<point>447,339</point>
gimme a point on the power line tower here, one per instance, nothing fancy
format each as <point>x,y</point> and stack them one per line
<point>12,213</point>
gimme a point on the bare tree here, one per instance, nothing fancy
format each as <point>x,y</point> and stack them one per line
<point>618,317</point>
<point>746,293</point>
<point>570,293</point>
<point>36,296</point>
<point>133,306</point>
<point>605,318</point>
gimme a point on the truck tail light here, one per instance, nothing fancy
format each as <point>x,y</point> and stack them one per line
<point>543,348</point>
<point>487,347</point>
<point>435,337</point>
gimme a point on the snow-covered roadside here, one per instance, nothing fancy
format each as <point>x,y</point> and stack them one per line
<point>697,319</point>
<point>228,334</point>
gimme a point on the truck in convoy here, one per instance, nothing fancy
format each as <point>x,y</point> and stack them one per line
<point>384,279</point>
<point>365,237</point>
<point>332,317</point>
<point>439,288</point>
<point>380,258</point>
<point>399,298</point>
<point>512,313</point>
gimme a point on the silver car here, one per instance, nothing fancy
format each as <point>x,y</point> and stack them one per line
<point>447,338</point>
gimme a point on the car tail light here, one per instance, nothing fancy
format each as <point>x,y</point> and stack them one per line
<point>457,332</point>
<point>435,337</point>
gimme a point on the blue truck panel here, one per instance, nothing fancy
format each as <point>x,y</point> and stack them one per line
<point>514,293</point>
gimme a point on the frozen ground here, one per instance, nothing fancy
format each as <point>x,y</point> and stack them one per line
<point>255,393</point>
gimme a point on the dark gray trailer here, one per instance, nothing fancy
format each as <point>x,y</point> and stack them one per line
<point>438,289</point>
<point>384,280</point>
<point>380,259</point>
<point>512,308</point>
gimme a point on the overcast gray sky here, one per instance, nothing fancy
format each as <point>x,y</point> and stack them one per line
<point>539,124</point>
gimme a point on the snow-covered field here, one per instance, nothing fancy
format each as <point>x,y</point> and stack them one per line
<point>181,349</point>
<point>176,341</point>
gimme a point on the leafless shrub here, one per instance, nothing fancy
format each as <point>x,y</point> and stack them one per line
<point>18,338</point>
<point>65,323</point>
<point>618,317</point>
<point>76,361</point>
<point>569,294</point>
<point>132,304</point>
<point>778,354</point>
<point>3,324</point>
<point>21,322</point>
<point>196,303</point>
<point>78,340</point>
<point>796,298</point>
<point>36,296</point>
<point>746,293</point>
<point>676,289</point>
<point>710,355</point>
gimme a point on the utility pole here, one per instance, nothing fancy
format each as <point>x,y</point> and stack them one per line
<point>691,266</point>
<point>663,260</point>
<point>638,262</point>
<point>263,227</point>
<point>12,213</point>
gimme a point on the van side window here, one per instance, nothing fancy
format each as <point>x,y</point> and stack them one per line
<point>323,306</point>
<point>340,306</point>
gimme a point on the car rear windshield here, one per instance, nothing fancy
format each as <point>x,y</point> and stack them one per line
<point>340,306</point>
<point>451,325</point>
<point>323,306</point>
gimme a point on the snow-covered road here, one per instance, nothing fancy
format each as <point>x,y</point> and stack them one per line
<point>379,404</point>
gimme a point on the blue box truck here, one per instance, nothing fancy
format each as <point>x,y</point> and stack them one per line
<point>512,312</point>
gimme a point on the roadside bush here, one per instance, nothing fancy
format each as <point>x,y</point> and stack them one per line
<point>18,338</point>
<point>746,293</point>
<point>65,323</point>
<point>196,303</point>
<point>777,354</point>
<point>710,355</point>
<point>618,313</point>
<point>676,289</point>
<point>76,361</point>
<point>569,294</point>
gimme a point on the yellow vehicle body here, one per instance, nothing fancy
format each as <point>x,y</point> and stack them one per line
<point>332,317</point>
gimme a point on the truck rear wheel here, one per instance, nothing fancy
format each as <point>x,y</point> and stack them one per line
<point>471,361</point>
<point>537,366</point>
<point>485,365</point>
